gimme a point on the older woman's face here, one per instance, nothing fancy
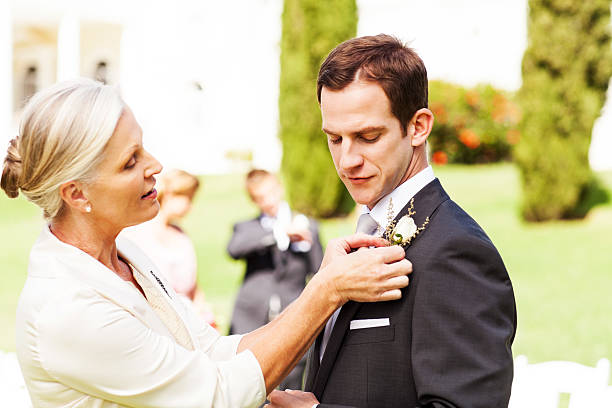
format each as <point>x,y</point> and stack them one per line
<point>123,193</point>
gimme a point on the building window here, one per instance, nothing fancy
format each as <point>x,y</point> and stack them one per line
<point>30,83</point>
<point>101,74</point>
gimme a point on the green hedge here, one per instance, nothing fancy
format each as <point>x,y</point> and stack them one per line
<point>566,69</point>
<point>476,125</point>
<point>311,29</point>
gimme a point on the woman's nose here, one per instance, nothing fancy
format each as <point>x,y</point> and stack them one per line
<point>153,166</point>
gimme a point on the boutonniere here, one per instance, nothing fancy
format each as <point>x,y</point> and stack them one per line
<point>405,230</point>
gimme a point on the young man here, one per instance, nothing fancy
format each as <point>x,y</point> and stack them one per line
<point>281,248</point>
<point>447,342</point>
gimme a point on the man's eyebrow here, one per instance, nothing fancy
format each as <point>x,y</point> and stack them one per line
<point>329,132</point>
<point>369,129</point>
<point>362,131</point>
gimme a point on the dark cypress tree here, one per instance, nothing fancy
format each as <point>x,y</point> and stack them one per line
<point>311,29</point>
<point>566,69</point>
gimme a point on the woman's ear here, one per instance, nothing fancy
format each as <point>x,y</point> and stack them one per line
<point>420,126</point>
<point>74,196</point>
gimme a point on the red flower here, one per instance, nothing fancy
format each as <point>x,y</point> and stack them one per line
<point>472,98</point>
<point>469,138</point>
<point>440,158</point>
<point>513,136</point>
<point>439,112</point>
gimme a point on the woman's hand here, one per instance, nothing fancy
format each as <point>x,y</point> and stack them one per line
<point>368,275</point>
<point>291,399</point>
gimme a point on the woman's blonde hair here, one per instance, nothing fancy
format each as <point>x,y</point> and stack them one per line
<point>63,132</point>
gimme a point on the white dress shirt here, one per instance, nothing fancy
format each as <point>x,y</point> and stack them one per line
<point>279,224</point>
<point>380,212</point>
<point>87,338</point>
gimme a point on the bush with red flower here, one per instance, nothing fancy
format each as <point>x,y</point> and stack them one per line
<point>477,125</point>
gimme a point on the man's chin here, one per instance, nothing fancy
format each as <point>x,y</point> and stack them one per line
<point>360,199</point>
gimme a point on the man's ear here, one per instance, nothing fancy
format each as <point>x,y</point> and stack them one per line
<point>420,126</point>
<point>74,196</point>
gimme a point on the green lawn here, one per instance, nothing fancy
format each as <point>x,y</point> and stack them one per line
<point>562,271</point>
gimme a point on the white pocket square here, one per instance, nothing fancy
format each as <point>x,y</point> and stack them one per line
<point>368,323</point>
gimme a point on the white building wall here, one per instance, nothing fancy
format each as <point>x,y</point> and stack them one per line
<point>202,76</point>
<point>69,47</point>
<point>6,74</point>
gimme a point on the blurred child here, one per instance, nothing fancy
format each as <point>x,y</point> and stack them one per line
<point>168,245</point>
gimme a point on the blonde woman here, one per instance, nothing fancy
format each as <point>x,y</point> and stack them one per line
<point>97,324</point>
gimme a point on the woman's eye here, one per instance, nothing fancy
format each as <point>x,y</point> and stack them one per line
<point>131,163</point>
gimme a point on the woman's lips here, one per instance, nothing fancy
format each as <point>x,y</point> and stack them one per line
<point>151,195</point>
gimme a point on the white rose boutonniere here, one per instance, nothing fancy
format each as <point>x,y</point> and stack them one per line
<point>405,230</point>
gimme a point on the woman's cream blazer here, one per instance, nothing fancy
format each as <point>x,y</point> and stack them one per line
<point>87,338</point>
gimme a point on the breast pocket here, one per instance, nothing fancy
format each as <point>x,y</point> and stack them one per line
<point>370,335</point>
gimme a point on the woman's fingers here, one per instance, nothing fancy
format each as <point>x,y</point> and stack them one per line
<point>363,240</point>
<point>396,282</point>
<point>391,295</point>
<point>401,267</point>
<point>391,253</point>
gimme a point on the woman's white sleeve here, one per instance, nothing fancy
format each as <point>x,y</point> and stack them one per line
<point>95,346</point>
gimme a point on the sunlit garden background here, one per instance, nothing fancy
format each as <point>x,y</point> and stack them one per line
<point>516,87</point>
<point>561,271</point>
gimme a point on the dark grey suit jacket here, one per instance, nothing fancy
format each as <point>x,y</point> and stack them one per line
<point>269,271</point>
<point>450,335</point>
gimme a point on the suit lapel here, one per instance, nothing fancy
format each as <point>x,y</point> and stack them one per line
<point>312,363</point>
<point>333,346</point>
<point>426,201</point>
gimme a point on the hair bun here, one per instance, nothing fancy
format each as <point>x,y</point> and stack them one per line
<point>11,173</point>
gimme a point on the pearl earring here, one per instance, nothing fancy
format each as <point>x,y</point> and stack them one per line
<point>88,208</point>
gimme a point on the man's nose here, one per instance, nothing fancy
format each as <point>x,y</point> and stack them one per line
<point>351,156</point>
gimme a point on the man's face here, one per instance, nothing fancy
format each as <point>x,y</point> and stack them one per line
<point>369,149</point>
<point>267,195</point>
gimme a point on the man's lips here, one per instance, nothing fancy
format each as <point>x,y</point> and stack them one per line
<point>151,195</point>
<point>359,180</point>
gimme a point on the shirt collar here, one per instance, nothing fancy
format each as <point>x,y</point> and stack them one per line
<point>400,196</point>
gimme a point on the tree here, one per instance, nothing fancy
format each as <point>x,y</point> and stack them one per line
<point>311,29</point>
<point>566,69</point>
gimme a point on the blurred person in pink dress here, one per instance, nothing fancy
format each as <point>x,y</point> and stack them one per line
<point>168,245</point>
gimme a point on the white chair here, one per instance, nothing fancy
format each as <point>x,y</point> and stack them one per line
<point>541,385</point>
<point>13,390</point>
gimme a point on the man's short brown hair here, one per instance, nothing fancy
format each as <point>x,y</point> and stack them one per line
<point>256,177</point>
<point>382,59</point>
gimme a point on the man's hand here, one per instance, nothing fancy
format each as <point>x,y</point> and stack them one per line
<point>291,399</point>
<point>297,234</point>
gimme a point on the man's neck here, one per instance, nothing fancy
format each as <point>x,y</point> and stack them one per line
<point>392,203</point>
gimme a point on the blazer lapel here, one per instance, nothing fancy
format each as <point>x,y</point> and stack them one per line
<point>174,318</point>
<point>333,346</point>
<point>312,363</point>
<point>426,202</point>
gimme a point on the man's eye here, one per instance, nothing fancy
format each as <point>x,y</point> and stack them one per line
<point>335,140</point>
<point>370,138</point>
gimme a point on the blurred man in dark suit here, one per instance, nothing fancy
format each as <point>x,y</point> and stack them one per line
<point>281,249</point>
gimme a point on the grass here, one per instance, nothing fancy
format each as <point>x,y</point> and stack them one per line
<point>561,271</point>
